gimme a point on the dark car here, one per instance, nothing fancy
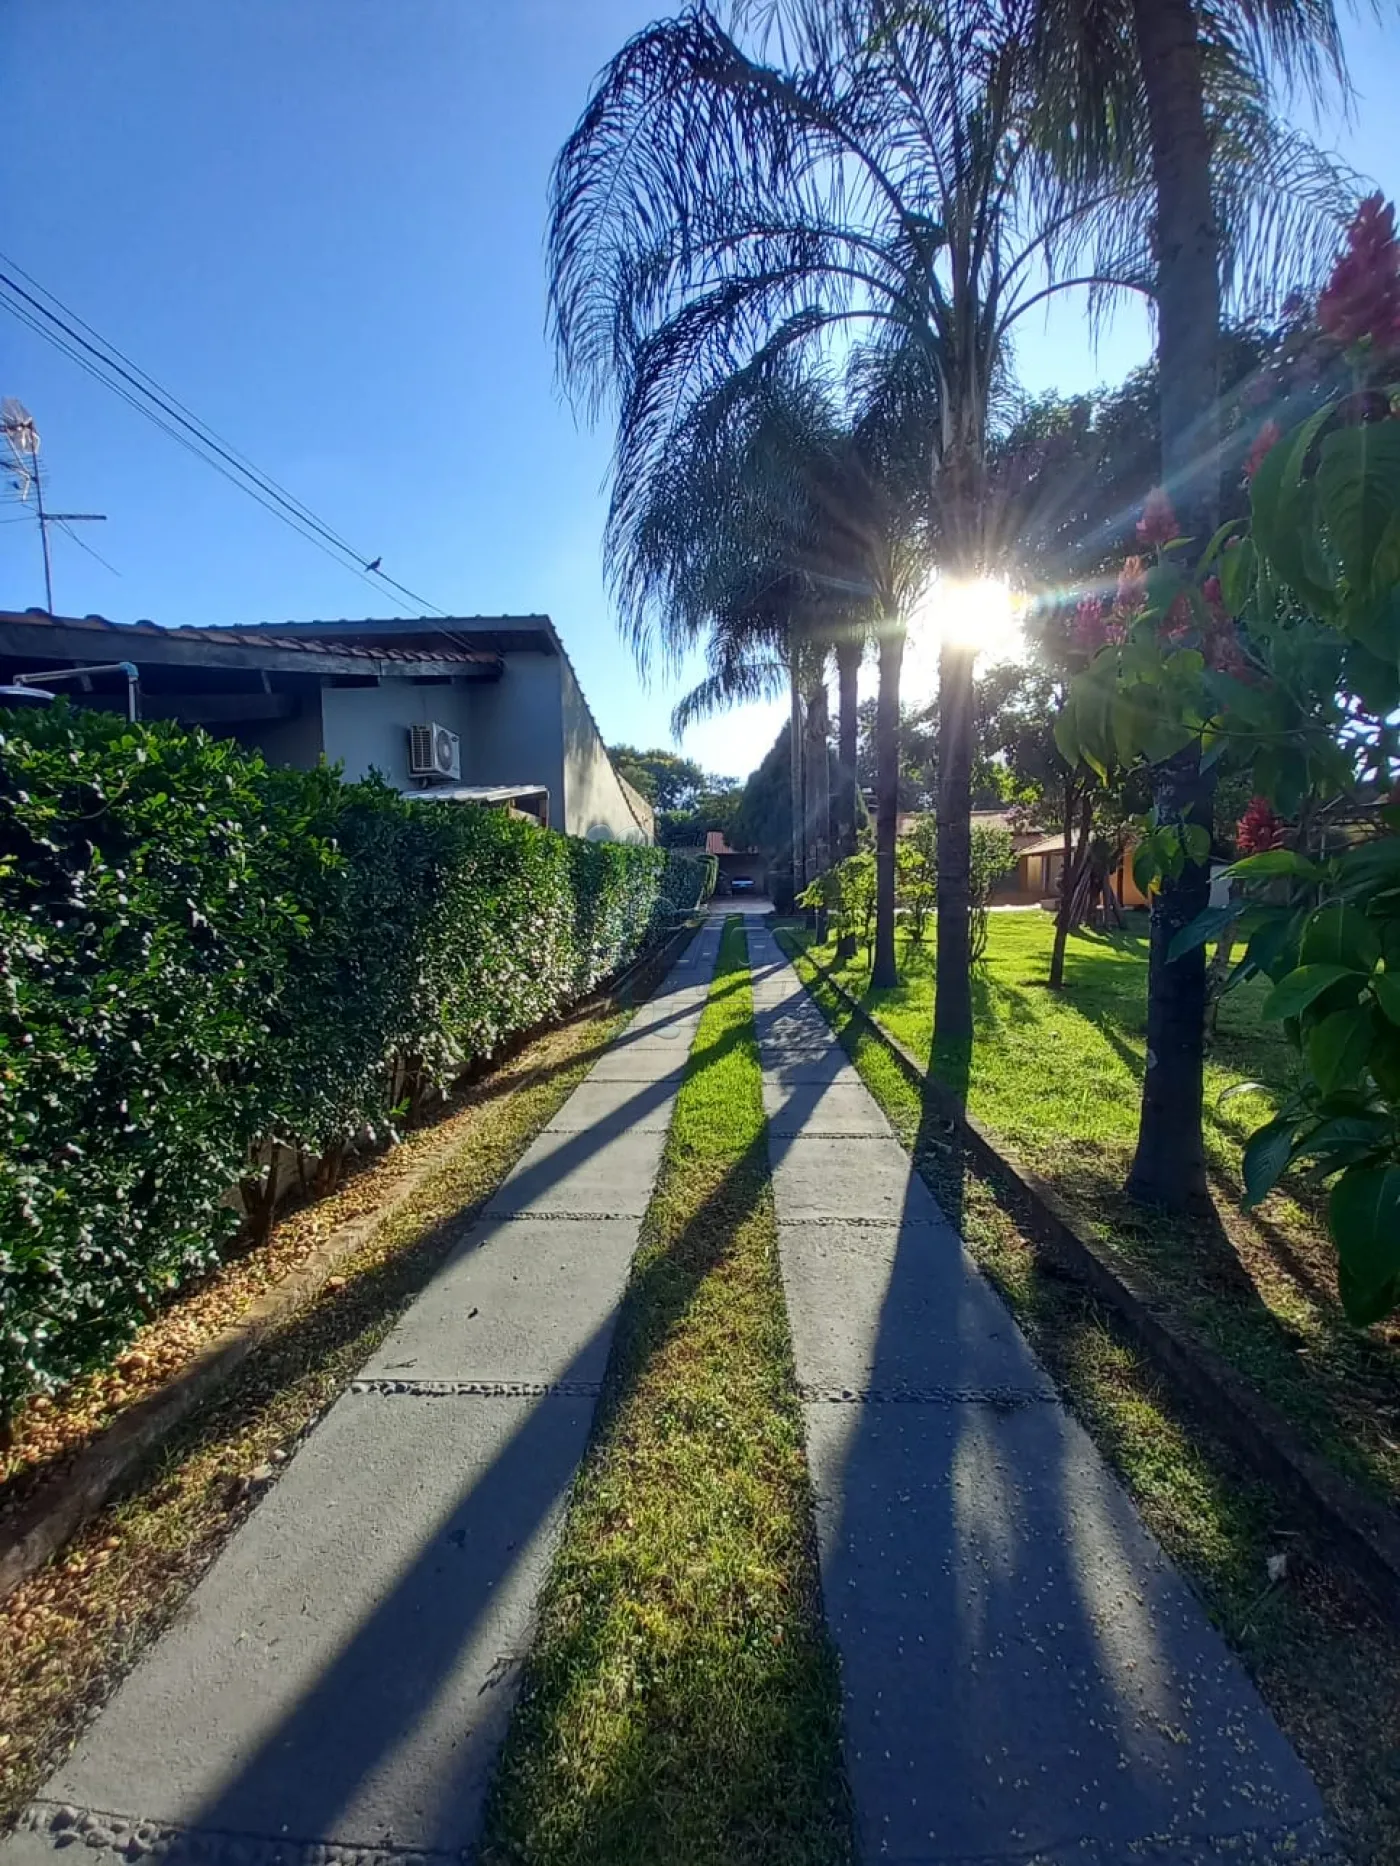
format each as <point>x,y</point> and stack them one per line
<point>741,884</point>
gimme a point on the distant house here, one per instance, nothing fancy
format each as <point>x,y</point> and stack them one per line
<point>478,708</point>
<point>741,870</point>
<point>1035,871</point>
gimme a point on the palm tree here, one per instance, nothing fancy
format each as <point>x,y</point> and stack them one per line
<point>712,209</point>
<point>1186,90</point>
<point>734,535</point>
<point>784,520</point>
<point>892,171</point>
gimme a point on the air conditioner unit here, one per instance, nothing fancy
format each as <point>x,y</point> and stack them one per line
<point>434,752</point>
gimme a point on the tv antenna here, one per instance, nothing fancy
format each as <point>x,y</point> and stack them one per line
<point>21,444</point>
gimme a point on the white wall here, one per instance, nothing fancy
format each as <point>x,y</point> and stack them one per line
<point>529,727</point>
<point>366,728</point>
<point>594,802</point>
<point>513,734</point>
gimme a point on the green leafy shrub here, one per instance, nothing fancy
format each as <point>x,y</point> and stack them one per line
<point>205,961</point>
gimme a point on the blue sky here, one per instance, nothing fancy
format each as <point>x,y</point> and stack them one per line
<point>320,225</point>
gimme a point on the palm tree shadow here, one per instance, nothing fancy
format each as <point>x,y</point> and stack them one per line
<point>399,1682</point>
<point>1003,1621</point>
<point>385,1718</point>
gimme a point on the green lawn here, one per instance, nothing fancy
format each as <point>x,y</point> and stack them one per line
<point>681,1702</point>
<point>1057,1075</point>
<point>1050,1067</point>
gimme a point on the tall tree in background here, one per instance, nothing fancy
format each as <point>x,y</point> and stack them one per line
<point>750,532</point>
<point>1187,91</point>
<point>883,174</point>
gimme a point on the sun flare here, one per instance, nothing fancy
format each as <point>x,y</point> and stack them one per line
<point>980,613</point>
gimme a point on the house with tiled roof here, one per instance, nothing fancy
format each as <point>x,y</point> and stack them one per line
<point>473,708</point>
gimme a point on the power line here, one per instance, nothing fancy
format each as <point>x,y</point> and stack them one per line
<point>152,386</point>
<point>83,545</point>
<point>143,391</point>
<point>252,482</point>
<point>180,439</point>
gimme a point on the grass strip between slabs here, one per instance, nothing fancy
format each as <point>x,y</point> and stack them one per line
<point>72,1630</point>
<point>682,1699</point>
<point>1325,1662</point>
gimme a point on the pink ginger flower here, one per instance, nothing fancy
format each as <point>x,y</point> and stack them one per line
<point>1158,525</point>
<point>1259,828</point>
<point>1177,622</point>
<point>1362,297</point>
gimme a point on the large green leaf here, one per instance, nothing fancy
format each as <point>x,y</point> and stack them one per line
<point>1364,1215</point>
<point>1265,1156</point>
<point>1340,934</point>
<point>1067,732</point>
<point>1283,507</point>
<point>1364,1306</point>
<point>1237,574</point>
<point>1275,862</point>
<point>1205,927</point>
<point>1338,1047</point>
<point>1386,986</point>
<point>1273,944</point>
<point>1292,995</point>
<point>1358,485</point>
<point>1349,1135</point>
<point>1374,620</point>
<point>1372,864</point>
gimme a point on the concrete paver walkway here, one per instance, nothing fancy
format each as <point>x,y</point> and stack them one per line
<point>1025,1678</point>
<point>338,1684</point>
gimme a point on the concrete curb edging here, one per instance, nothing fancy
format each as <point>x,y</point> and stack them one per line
<point>1359,1532</point>
<point>58,1509</point>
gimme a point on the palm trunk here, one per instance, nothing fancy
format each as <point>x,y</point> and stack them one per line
<point>1169,1167</point>
<point>848,656</point>
<point>952,1001</point>
<point>1072,872</point>
<point>1057,954</point>
<point>1188,261</point>
<point>885,970</point>
<point>799,880</point>
<point>818,767</point>
<point>818,780</point>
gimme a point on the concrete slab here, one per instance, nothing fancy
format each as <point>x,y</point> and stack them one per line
<point>519,1299</point>
<point>345,1671</point>
<point>900,1309</point>
<point>1023,1673</point>
<point>871,1178</point>
<point>833,1067</point>
<point>659,1065</point>
<point>678,1026</point>
<point>608,1106</point>
<point>342,1677</point>
<point>833,1107</point>
<point>608,1174</point>
<point>1025,1678</point>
